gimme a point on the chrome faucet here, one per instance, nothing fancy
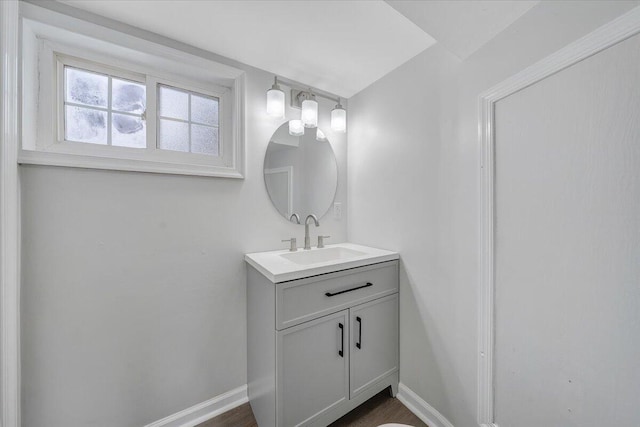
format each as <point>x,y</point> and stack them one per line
<point>293,247</point>
<point>296,217</point>
<point>307,240</point>
<point>321,241</point>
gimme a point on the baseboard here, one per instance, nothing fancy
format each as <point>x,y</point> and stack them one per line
<point>206,410</point>
<point>427,413</point>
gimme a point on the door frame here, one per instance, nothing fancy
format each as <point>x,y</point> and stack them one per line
<point>9,215</point>
<point>602,38</point>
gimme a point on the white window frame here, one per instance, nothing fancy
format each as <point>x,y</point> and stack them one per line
<point>190,94</point>
<point>47,50</point>
<point>220,93</point>
<point>63,61</point>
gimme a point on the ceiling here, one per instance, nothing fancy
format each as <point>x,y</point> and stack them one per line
<point>462,26</point>
<point>337,46</point>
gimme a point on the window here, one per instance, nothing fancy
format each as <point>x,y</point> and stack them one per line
<point>106,109</point>
<point>188,121</point>
<point>103,109</point>
<point>124,103</point>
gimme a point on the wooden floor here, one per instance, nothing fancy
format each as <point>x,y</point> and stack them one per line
<point>380,409</point>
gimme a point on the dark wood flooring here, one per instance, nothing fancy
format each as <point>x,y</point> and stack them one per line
<point>380,409</point>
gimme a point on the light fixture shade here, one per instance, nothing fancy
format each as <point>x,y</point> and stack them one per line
<point>309,113</point>
<point>320,136</point>
<point>339,119</point>
<point>296,128</point>
<point>275,100</point>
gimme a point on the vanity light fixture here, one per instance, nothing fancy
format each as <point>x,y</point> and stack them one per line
<point>309,114</point>
<point>320,136</point>
<point>275,100</point>
<point>305,99</point>
<point>296,128</point>
<point>339,118</point>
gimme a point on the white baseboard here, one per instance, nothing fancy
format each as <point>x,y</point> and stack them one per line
<point>206,410</point>
<point>427,413</point>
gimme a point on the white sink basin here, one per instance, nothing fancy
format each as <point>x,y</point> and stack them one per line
<point>282,265</point>
<point>335,253</point>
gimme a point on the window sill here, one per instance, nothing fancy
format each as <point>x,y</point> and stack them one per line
<point>27,157</point>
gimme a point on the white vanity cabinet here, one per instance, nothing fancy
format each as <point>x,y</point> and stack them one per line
<point>320,346</point>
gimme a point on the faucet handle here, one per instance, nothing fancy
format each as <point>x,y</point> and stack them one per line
<point>294,245</point>
<point>321,241</point>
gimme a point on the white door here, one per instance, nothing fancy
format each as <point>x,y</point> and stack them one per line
<point>567,281</point>
<point>374,342</point>
<point>312,369</point>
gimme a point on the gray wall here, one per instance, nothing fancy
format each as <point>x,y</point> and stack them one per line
<point>133,287</point>
<point>413,187</point>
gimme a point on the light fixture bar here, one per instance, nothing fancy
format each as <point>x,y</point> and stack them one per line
<point>304,97</point>
<point>300,87</point>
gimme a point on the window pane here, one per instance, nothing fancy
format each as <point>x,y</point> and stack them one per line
<point>173,136</point>
<point>204,140</point>
<point>85,125</point>
<point>128,131</point>
<point>204,110</point>
<point>128,96</point>
<point>84,87</point>
<point>173,103</point>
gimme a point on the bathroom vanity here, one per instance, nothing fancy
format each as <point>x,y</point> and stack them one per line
<point>322,332</point>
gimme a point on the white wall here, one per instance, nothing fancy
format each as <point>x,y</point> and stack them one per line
<point>413,180</point>
<point>133,287</point>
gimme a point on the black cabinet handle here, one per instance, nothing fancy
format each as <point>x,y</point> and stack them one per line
<point>359,343</point>
<point>341,351</point>
<point>329,294</point>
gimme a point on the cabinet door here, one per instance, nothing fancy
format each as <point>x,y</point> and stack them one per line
<point>374,342</point>
<point>312,369</point>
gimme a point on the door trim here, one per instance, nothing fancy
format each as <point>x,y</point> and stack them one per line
<point>602,38</point>
<point>10,215</point>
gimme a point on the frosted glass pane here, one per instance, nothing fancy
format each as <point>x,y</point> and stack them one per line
<point>128,96</point>
<point>204,110</point>
<point>85,125</point>
<point>173,103</point>
<point>128,131</point>
<point>204,140</point>
<point>174,136</point>
<point>83,87</point>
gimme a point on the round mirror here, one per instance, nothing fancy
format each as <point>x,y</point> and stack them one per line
<point>300,172</point>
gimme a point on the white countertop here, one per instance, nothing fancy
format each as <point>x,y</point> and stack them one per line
<point>277,268</point>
